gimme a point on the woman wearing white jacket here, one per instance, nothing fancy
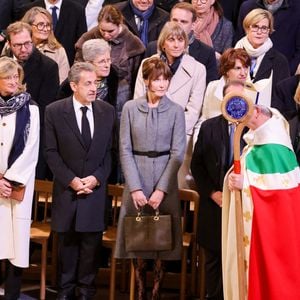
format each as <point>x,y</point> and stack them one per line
<point>19,144</point>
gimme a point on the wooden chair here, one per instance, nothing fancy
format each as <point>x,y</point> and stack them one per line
<point>40,229</point>
<point>115,191</point>
<point>190,206</point>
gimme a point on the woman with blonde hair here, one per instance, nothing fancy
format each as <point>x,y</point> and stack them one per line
<point>266,62</point>
<point>19,135</point>
<point>43,38</point>
<point>186,87</point>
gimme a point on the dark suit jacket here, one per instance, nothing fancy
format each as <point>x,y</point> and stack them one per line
<point>156,22</point>
<point>273,60</point>
<point>70,26</point>
<point>209,165</point>
<point>283,98</point>
<point>201,52</point>
<point>67,157</point>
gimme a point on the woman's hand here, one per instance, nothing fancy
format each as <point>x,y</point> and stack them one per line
<point>5,188</point>
<point>156,198</point>
<point>235,182</point>
<point>139,199</point>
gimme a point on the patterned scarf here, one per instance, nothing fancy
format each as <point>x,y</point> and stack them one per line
<point>102,90</point>
<point>20,105</point>
<point>174,66</point>
<point>144,16</point>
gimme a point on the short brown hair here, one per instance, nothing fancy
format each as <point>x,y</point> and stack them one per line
<point>110,14</point>
<point>154,67</point>
<point>76,70</point>
<point>256,15</point>
<point>228,58</point>
<point>185,6</point>
<point>17,27</point>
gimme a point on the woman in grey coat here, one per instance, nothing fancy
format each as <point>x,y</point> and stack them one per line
<point>154,124</point>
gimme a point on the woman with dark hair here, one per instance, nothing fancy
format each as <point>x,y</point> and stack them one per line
<point>127,50</point>
<point>211,27</point>
<point>19,136</point>
<point>186,88</point>
<point>234,66</point>
<point>152,145</point>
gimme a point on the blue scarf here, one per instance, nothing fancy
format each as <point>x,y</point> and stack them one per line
<point>144,15</point>
<point>20,105</point>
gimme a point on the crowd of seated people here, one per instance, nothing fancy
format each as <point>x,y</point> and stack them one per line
<point>205,44</point>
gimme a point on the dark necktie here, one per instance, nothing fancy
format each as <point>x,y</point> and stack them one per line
<point>85,128</point>
<point>54,16</point>
<point>252,66</point>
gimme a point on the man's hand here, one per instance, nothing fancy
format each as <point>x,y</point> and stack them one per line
<point>139,199</point>
<point>156,198</point>
<point>5,188</point>
<point>235,182</point>
<point>217,197</point>
<point>89,183</point>
<point>76,184</point>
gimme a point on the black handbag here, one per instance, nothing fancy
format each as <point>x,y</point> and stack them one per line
<point>148,232</point>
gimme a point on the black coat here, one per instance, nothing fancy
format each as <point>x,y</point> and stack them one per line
<point>156,22</point>
<point>201,52</point>
<point>70,26</point>
<point>276,62</point>
<point>67,157</point>
<point>209,164</point>
<point>283,98</point>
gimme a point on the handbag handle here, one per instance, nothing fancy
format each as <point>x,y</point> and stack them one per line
<point>139,215</point>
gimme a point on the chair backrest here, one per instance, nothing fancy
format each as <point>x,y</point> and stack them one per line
<point>190,206</point>
<point>115,191</point>
<point>42,199</point>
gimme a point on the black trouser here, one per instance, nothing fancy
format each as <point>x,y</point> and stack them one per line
<point>213,275</point>
<point>12,281</point>
<point>78,266</point>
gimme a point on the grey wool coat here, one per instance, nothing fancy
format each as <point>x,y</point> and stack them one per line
<point>152,129</point>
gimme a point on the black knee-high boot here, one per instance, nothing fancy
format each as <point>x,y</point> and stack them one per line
<point>140,277</point>
<point>158,273</point>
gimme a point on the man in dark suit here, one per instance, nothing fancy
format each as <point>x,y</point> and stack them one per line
<point>78,138</point>
<point>184,14</point>
<point>143,18</point>
<point>211,160</point>
<point>40,74</point>
<point>71,22</point>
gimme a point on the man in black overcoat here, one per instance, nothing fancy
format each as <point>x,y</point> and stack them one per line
<point>80,160</point>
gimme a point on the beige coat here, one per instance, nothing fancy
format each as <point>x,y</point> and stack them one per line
<point>15,217</point>
<point>59,55</point>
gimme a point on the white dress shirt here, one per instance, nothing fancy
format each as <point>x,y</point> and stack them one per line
<point>89,114</point>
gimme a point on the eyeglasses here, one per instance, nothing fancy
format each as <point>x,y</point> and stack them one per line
<point>27,45</point>
<point>42,26</point>
<point>102,62</point>
<point>201,1</point>
<point>256,28</point>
